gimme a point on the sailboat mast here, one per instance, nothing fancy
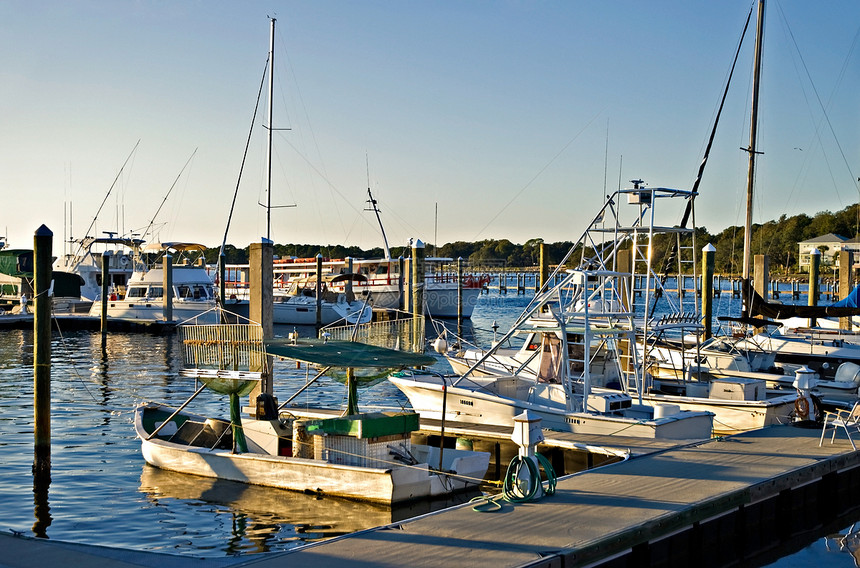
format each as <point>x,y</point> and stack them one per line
<point>752,147</point>
<point>269,128</point>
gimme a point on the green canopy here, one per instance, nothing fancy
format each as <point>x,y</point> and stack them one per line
<point>345,354</point>
<point>17,263</point>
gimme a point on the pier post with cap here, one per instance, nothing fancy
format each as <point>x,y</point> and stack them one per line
<point>167,298</point>
<point>42,243</point>
<point>708,253</point>
<point>105,290</point>
<point>814,269</point>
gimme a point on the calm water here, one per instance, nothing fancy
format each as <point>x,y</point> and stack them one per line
<point>102,492</point>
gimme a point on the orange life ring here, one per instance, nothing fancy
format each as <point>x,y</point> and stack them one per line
<point>801,408</point>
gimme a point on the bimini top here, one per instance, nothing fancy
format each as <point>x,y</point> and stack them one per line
<point>345,354</point>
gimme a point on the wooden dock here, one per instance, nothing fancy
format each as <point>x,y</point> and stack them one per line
<point>714,503</point>
<point>710,504</point>
<point>68,322</point>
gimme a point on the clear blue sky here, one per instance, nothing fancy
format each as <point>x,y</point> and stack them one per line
<point>508,117</point>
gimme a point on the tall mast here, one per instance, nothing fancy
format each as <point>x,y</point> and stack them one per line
<point>752,147</point>
<point>269,128</point>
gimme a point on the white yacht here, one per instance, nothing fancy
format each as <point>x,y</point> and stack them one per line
<point>192,292</point>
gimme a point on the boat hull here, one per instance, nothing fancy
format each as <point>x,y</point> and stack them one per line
<point>476,407</point>
<point>383,485</point>
<point>440,299</point>
<point>734,416</point>
<point>294,311</point>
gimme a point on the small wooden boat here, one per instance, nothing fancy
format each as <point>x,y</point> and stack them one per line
<point>367,457</point>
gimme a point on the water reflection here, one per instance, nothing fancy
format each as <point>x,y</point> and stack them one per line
<point>262,518</point>
<point>848,542</point>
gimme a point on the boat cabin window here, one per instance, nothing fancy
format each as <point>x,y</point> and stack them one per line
<point>200,292</point>
<point>184,292</point>
<point>136,292</point>
<point>155,292</point>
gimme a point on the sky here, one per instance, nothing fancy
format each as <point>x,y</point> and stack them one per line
<point>467,119</point>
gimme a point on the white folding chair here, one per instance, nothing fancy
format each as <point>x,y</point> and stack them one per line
<point>845,419</point>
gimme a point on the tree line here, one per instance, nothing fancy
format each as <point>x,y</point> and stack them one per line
<point>778,239</point>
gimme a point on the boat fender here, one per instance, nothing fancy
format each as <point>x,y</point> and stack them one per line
<point>440,345</point>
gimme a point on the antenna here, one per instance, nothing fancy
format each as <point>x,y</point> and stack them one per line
<point>372,207</point>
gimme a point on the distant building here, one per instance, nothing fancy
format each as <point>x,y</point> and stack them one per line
<point>829,245</point>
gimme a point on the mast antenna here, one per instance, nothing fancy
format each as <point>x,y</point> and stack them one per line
<point>372,207</point>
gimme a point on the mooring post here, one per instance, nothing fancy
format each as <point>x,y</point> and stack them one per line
<point>105,290</point>
<point>260,311</point>
<point>401,271</point>
<point>347,288</point>
<point>318,289</point>
<point>846,268</point>
<point>42,242</point>
<point>222,286</point>
<point>761,277</point>
<point>167,301</point>
<point>814,267</point>
<point>708,288</point>
<point>459,296</point>
<point>544,268</point>
<point>417,290</point>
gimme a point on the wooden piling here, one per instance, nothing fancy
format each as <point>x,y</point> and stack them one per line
<point>544,267</point>
<point>846,268</point>
<point>459,296</point>
<point>401,302</point>
<point>222,285</point>
<point>348,285</point>
<point>42,243</point>
<point>260,310</point>
<point>708,253</point>
<point>105,290</point>
<point>814,267</point>
<point>318,294</point>
<point>167,298</point>
<point>417,287</point>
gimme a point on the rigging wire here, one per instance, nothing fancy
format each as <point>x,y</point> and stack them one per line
<point>670,258</point>
<point>157,211</point>
<point>244,157</point>
<point>537,175</point>
<point>95,218</point>
<point>825,117</point>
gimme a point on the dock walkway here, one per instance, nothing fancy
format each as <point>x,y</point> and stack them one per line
<point>708,504</point>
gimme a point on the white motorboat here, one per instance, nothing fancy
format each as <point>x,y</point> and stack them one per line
<point>575,369</point>
<point>192,291</point>
<point>198,445</point>
<point>89,256</point>
<point>298,305</point>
